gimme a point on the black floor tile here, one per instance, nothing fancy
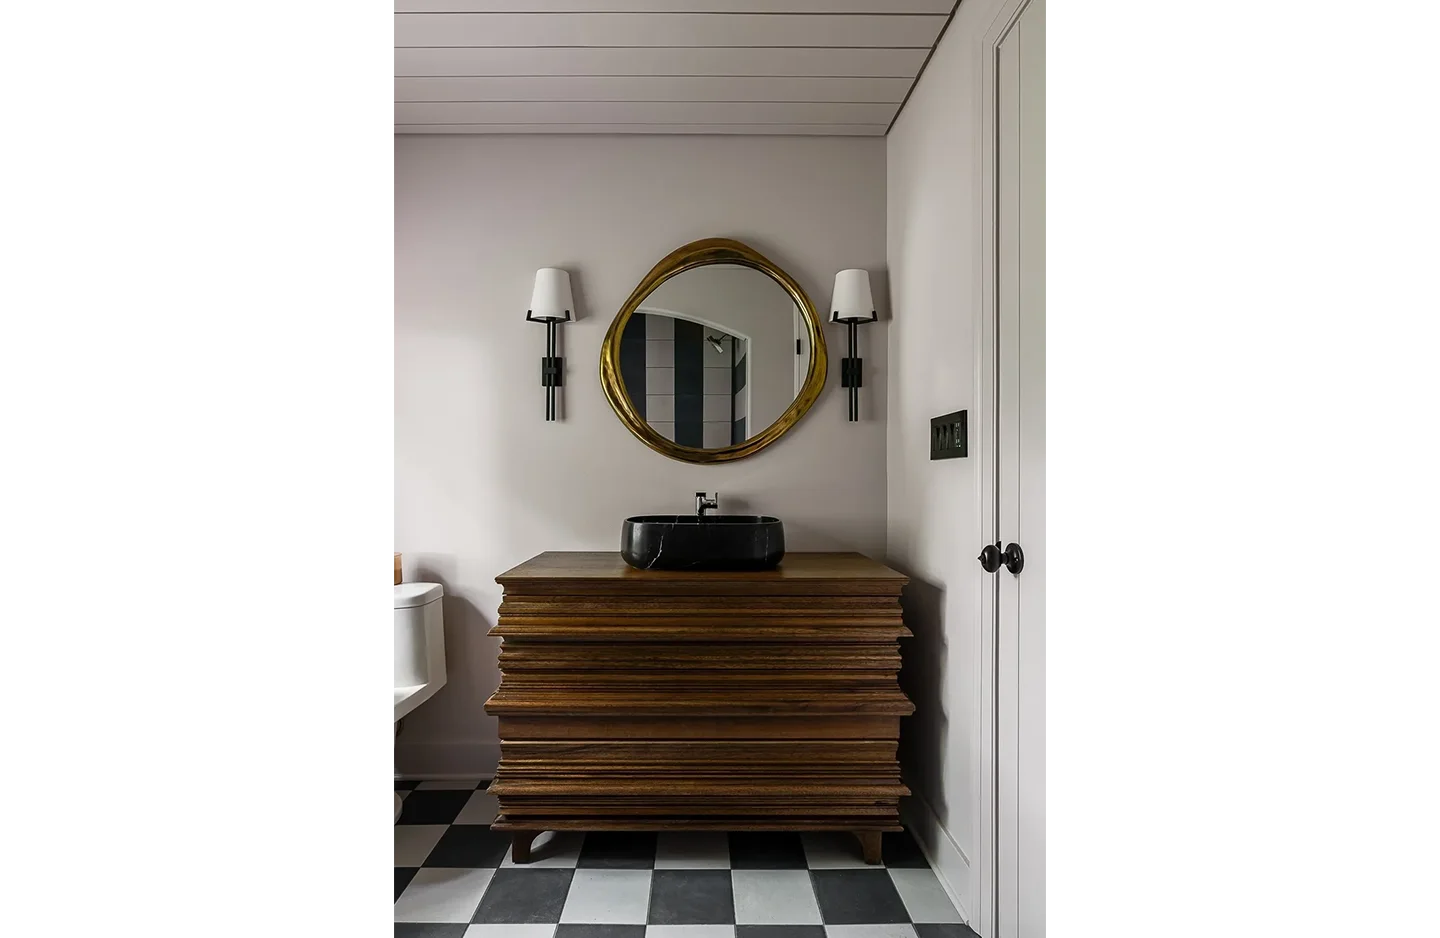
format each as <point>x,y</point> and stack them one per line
<point>857,897</point>
<point>428,930</point>
<point>406,784</point>
<point>469,846</point>
<point>945,931</point>
<point>403,875</point>
<point>779,931</point>
<point>432,807</point>
<point>600,931</point>
<point>899,849</point>
<point>766,850</point>
<point>519,897</point>
<point>618,850</point>
<point>691,897</point>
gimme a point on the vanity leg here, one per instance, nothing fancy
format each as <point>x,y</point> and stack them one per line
<point>870,845</point>
<point>520,842</point>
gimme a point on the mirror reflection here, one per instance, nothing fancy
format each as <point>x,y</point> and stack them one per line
<point>714,355</point>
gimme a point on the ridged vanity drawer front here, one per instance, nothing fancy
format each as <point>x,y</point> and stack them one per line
<point>720,773</point>
<point>682,683</point>
<point>753,634</point>
<point>642,700</point>
<point>745,727</point>
<point>782,804</point>
<point>672,619</point>
<point>698,814</point>
<point>520,657</point>
<point>777,605</point>
<point>654,659</point>
<point>886,820</point>
<point>772,701</point>
<point>818,629</point>
<point>685,755</point>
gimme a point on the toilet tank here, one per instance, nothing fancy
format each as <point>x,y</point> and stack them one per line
<point>419,635</point>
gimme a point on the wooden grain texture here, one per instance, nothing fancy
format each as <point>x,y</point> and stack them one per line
<point>699,727</point>
<point>677,700</point>
<point>605,572</point>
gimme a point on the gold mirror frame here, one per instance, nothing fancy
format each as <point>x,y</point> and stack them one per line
<point>701,254</point>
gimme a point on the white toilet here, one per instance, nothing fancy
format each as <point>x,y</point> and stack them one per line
<point>419,647</point>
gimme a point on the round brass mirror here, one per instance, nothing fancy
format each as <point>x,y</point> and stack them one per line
<point>715,355</point>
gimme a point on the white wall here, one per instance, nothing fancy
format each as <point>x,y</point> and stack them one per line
<point>933,248</point>
<point>482,482</point>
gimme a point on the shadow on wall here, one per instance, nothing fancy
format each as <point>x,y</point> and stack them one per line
<point>471,677</point>
<point>922,735</point>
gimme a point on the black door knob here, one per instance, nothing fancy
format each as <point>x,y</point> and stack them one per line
<point>990,558</point>
<point>1014,558</point>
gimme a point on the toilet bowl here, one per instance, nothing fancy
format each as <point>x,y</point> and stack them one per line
<point>419,647</point>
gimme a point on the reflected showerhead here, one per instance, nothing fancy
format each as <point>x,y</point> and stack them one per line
<point>715,343</point>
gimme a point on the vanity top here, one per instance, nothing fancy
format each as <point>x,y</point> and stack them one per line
<point>837,572</point>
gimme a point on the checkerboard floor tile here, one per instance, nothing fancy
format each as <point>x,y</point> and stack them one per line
<point>454,879</point>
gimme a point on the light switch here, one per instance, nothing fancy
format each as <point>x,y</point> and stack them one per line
<point>948,436</point>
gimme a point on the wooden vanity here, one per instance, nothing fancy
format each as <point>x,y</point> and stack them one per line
<point>674,700</point>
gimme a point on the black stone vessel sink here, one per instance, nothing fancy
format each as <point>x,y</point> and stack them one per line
<point>689,542</point>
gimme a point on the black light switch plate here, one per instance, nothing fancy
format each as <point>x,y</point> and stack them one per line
<point>948,434</point>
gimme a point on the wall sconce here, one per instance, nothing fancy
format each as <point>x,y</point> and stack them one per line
<point>552,304</point>
<point>852,305</point>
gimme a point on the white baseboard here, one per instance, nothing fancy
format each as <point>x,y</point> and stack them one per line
<point>445,760</point>
<point>949,862</point>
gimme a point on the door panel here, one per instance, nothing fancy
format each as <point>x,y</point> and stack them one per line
<point>1020,258</point>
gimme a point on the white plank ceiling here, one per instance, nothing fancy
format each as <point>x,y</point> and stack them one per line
<point>659,66</point>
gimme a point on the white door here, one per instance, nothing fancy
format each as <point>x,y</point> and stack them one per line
<point>1020,475</point>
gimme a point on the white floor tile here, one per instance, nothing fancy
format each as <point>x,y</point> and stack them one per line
<point>689,931</point>
<point>413,842</point>
<point>510,931</point>
<point>924,897</point>
<point>692,850</point>
<point>439,895</point>
<point>832,850</point>
<point>620,897</point>
<point>869,931</point>
<point>480,809</point>
<point>448,784</point>
<point>552,850</point>
<point>774,897</point>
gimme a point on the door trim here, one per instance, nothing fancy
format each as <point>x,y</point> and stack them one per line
<point>986,422</point>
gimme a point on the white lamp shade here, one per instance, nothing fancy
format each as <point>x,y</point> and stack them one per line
<point>852,301</point>
<point>551,300</point>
